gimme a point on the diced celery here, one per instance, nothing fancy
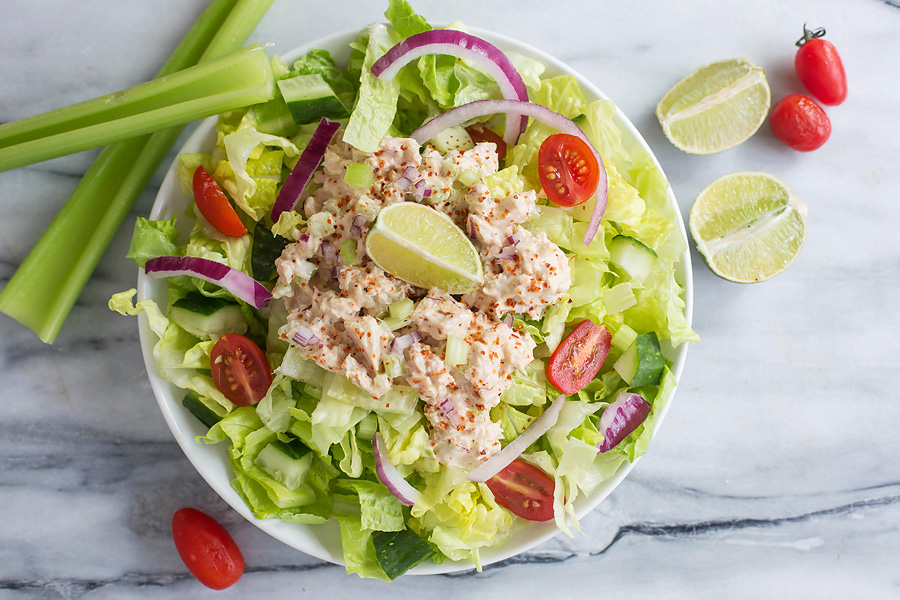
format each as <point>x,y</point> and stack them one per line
<point>393,324</point>
<point>624,337</point>
<point>392,366</point>
<point>349,252</point>
<point>402,309</point>
<point>457,351</point>
<point>359,175</point>
<point>467,177</point>
<point>618,298</point>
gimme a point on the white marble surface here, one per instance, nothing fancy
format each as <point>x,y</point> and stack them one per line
<point>776,473</point>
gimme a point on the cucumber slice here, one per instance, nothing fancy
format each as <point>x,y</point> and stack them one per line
<point>309,98</point>
<point>207,318</point>
<point>632,256</point>
<point>399,551</point>
<point>642,363</point>
<point>286,463</point>
<point>200,410</point>
<point>265,249</point>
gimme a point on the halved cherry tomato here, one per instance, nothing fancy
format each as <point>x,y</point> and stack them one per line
<point>214,205</point>
<point>568,170</point>
<point>524,490</point>
<point>800,123</point>
<point>240,369</point>
<point>480,133</point>
<point>819,67</point>
<point>579,357</point>
<point>206,549</point>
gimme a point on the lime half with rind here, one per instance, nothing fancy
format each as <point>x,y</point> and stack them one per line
<point>748,226</point>
<point>716,107</point>
<point>424,247</point>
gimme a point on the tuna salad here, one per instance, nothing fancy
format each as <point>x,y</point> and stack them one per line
<point>336,310</point>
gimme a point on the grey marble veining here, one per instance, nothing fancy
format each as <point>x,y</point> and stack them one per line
<point>775,474</point>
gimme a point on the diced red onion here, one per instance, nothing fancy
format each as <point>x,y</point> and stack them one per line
<point>236,282</point>
<point>508,321</point>
<point>303,171</point>
<point>328,251</point>
<point>356,227</point>
<point>426,192</point>
<point>501,460</point>
<point>305,336</point>
<point>390,476</point>
<point>335,271</point>
<point>471,223</point>
<point>620,418</point>
<point>405,341</point>
<point>304,237</point>
<point>449,411</point>
<point>507,253</point>
<point>402,183</point>
<point>410,173</point>
<point>514,238</point>
<point>488,57</point>
<point>482,108</point>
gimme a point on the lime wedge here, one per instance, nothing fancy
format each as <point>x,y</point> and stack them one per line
<point>748,226</point>
<point>716,107</point>
<point>424,247</point>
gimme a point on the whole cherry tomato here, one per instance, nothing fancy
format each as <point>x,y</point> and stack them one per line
<point>214,205</point>
<point>240,369</point>
<point>800,123</point>
<point>579,357</point>
<point>819,67</point>
<point>206,549</point>
<point>524,490</point>
<point>568,170</point>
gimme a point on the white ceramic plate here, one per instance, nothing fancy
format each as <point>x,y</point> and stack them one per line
<point>211,461</point>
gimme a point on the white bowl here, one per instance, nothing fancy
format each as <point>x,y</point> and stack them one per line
<point>211,461</point>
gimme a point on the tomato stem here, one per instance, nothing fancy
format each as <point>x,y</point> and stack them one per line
<point>810,34</point>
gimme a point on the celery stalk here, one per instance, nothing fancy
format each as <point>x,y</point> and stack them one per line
<point>232,81</point>
<point>46,285</point>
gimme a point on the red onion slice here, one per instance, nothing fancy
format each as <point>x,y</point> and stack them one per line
<point>483,108</point>
<point>405,341</point>
<point>462,45</point>
<point>620,418</point>
<point>236,282</point>
<point>501,460</point>
<point>390,476</point>
<point>303,171</point>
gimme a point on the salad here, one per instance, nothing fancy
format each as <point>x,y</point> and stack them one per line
<point>430,411</point>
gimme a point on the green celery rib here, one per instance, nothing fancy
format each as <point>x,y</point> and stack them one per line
<point>236,80</point>
<point>46,285</point>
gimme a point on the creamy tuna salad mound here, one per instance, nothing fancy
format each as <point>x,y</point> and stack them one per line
<point>337,310</point>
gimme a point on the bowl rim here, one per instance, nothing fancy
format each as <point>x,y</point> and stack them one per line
<point>211,461</point>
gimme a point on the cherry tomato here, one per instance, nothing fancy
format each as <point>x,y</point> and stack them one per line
<point>800,123</point>
<point>819,67</point>
<point>568,170</point>
<point>579,357</point>
<point>240,369</point>
<point>206,549</point>
<point>214,205</point>
<point>480,133</point>
<point>524,490</point>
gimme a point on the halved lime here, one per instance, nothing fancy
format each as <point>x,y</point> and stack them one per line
<point>716,107</point>
<point>748,226</point>
<point>424,247</point>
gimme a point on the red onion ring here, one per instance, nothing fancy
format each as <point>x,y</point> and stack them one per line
<point>620,418</point>
<point>462,45</point>
<point>237,283</point>
<point>390,476</point>
<point>501,460</point>
<point>303,171</point>
<point>483,108</point>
